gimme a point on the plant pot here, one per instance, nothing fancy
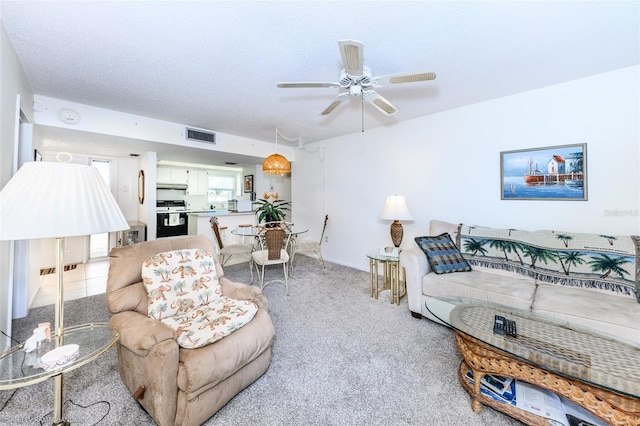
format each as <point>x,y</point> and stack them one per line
<point>268,219</point>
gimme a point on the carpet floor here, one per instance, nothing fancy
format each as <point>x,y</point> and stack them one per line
<point>339,358</point>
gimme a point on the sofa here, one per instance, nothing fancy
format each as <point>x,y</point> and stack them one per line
<point>183,378</point>
<point>586,279</point>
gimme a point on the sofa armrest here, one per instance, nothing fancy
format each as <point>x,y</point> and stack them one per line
<point>242,291</point>
<point>139,333</point>
<point>416,267</point>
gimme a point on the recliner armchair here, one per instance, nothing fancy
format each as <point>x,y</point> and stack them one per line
<point>179,386</point>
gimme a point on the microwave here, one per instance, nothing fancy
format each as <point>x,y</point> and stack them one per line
<point>240,205</point>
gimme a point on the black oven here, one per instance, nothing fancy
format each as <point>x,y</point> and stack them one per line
<point>172,224</point>
<point>172,218</point>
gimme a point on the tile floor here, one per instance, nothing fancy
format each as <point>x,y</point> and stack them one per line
<point>86,280</point>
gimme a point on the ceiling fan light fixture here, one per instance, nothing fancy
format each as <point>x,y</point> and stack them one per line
<point>276,164</point>
<point>356,79</point>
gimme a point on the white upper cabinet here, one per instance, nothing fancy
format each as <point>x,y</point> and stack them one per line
<point>172,175</point>
<point>198,182</point>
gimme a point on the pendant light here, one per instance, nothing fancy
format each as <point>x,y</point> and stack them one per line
<point>276,164</point>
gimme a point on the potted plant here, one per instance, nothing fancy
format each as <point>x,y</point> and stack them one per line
<point>271,211</point>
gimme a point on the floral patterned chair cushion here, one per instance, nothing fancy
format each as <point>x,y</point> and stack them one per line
<point>185,294</point>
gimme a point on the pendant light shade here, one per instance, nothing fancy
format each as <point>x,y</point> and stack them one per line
<point>276,164</point>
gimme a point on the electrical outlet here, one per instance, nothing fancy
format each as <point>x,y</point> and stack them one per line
<point>326,238</point>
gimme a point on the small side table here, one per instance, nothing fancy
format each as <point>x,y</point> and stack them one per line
<point>392,278</point>
<point>18,369</point>
<point>136,234</point>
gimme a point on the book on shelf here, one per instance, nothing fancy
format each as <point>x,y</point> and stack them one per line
<point>541,402</point>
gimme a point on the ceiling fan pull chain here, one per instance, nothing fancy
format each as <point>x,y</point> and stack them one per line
<point>362,110</point>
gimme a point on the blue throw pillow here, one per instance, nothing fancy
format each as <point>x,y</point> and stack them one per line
<point>442,254</point>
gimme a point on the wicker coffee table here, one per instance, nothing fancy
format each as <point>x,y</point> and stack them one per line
<point>597,372</point>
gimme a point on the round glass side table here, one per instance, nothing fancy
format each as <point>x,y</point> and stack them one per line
<point>392,277</point>
<point>18,368</point>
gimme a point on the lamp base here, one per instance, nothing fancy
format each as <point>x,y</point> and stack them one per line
<point>396,233</point>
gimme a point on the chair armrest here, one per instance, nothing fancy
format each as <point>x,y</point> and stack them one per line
<point>139,333</point>
<point>242,291</point>
<point>416,267</point>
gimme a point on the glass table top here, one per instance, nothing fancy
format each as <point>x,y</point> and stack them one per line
<point>554,345</point>
<point>18,368</point>
<point>254,231</point>
<point>375,254</point>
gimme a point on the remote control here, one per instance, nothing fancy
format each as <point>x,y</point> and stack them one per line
<point>510,328</point>
<point>498,325</point>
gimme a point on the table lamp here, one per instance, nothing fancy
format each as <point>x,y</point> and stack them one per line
<point>57,200</point>
<point>395,209</point>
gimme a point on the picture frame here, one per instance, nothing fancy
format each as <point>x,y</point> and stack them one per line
<point>248,183</point>
<point>546,173</point>
<point>141,184</point>
<point>36,155</point>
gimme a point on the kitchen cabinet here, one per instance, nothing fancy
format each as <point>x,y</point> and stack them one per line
<point>172,175</point>
<point>197,182</point>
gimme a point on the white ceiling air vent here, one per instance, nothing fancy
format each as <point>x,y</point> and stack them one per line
<point>199,135</point>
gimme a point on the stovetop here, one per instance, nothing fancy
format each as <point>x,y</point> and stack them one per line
<point>170,206</point>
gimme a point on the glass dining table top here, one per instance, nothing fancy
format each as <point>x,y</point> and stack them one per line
<point>254,231</point>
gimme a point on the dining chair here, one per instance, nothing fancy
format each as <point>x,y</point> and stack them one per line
<point>274,243</point>
<point>226,252</point>
<point>311,248</point>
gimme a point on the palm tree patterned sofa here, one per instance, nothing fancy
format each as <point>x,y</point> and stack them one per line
<point>587,279</point>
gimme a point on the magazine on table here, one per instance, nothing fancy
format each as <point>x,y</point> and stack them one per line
<point>499,388</point>
<point>544,403</point>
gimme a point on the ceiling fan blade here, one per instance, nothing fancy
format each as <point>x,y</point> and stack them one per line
<point>405,78</point>
<point>351,51</point>
<point>304,85</point>
<point>378,101</point>
<point>334,104</point>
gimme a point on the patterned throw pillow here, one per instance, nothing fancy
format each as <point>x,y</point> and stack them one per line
<point>184,293</point>
<point>442,254</point>
<point>179,281</point>
<point>211,322</point>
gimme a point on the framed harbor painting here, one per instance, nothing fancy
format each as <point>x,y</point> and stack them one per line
<point>549,173</point>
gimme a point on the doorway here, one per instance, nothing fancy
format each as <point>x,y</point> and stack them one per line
<point>99,243</point>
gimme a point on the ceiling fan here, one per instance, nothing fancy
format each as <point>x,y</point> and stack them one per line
<point>357,79</point>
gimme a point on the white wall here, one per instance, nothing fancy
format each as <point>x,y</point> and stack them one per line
<point>13,83</point>
<point>116,123</point>
<point>448,167</point>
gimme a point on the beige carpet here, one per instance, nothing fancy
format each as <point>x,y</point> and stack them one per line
<point>340,358</point>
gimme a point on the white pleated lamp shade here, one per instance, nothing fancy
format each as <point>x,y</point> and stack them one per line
<point>50,199</point>
<point>395,208</point>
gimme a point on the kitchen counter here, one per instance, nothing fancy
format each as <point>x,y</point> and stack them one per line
<point>217,213</point>
<point>199,223</point>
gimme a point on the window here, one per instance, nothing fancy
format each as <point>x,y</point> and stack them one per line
<point>222,188</point>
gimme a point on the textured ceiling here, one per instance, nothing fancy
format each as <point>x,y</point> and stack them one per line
<point>215,64</point>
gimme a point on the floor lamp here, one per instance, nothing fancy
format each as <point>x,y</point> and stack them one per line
<point>57,200</point>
